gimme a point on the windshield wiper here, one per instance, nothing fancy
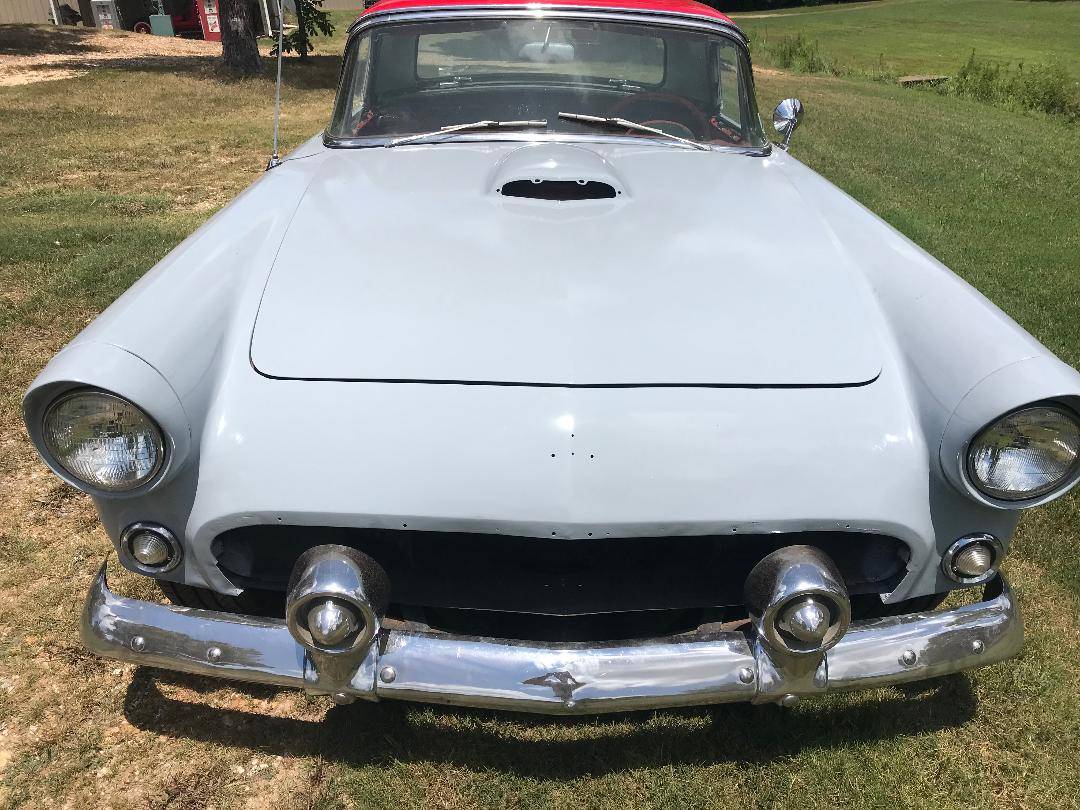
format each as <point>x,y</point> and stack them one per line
<point>463,127</point>
<point>622,123</point>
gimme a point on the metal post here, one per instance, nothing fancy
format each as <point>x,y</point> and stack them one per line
<point>275,159</point>
<point>266,17</point>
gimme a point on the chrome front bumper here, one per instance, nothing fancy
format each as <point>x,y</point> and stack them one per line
<point>556,679</point>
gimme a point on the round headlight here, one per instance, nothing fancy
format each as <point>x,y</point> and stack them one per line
<point>1026,454</point>
<point>103,440</point>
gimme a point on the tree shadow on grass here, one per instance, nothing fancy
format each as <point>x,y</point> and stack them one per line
<point>549,747</point>
<point>75,53</point>
<point>28,40</point>
<point>319,73</point>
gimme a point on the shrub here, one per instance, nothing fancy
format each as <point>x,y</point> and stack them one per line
<point>979,80</point>
<point>797,53</point>
<point>1046,88</point>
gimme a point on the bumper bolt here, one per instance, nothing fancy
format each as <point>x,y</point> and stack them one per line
<point>387,674</point>
<point>213,655</point>
<point>746,675</point>
<point>789,701</point>
<point>138,643</point>
<point>908,658</point>
<point>977,647</point>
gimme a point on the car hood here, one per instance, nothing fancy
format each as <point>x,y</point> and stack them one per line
<point>705,268</point>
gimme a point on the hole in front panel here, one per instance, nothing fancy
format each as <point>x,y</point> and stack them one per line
<point>559,190</point>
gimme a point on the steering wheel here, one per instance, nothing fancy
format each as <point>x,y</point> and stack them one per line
<point>671,127</point>
<point>388,119</point>
<point>698,118</point>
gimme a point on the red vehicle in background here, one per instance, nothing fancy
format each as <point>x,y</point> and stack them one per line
<point>185,18</point>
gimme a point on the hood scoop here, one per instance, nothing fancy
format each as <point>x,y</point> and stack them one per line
<point>556,172</point>
<point>559,190</point>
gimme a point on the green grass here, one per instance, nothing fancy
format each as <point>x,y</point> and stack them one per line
<point>101,176</point>
<point>981,188</point>
<point>341,20</point>
<point>930,36</point>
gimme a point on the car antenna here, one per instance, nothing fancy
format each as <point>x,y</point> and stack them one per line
<point>275,159</point>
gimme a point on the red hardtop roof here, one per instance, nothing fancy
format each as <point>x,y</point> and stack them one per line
<point>665,6</point>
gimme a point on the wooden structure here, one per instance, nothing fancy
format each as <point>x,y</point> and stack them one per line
<point>27,11</point>
<point>911,81</point>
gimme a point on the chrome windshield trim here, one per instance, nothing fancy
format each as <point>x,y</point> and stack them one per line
<point>526,11</point>
<point>330,142</point>
<point>536,11</point>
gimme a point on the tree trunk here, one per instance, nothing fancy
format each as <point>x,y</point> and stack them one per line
<point>239,50</point>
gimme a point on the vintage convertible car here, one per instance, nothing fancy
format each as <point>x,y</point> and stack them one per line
<point>541,380</point>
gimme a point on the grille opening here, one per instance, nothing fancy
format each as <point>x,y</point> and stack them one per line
<point>559,190</point>
<point>540,589</point>
<point>614,627</point>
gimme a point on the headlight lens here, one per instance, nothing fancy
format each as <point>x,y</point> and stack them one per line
<point>103,440</point>
<point>1025,454</point>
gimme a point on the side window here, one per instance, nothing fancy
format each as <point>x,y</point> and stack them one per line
<point>353,90</point>
<point>725,61</point>
<point>360,78</point>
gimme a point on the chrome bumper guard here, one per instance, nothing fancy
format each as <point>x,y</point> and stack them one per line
<point>556,678</point>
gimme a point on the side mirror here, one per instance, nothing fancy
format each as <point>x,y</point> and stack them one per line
<point>786,117</point>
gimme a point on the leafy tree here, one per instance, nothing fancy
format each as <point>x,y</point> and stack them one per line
<point>310,20</point>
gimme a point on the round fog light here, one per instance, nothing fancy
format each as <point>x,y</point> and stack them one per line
<point>972,560</point>
<point>152,547</point>
<point>149,549</point>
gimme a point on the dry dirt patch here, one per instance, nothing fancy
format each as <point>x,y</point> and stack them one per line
<point>27,57</point>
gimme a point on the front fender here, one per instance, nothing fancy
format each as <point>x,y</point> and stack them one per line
<point>113,369</point>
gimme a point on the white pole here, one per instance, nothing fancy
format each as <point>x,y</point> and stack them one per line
<point>275,159</point>
<point>266,17</point>
<point>55,9</point>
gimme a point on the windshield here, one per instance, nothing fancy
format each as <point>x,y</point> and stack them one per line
<point>417,77</point>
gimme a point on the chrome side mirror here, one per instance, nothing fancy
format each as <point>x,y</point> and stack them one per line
<point>785,118</point>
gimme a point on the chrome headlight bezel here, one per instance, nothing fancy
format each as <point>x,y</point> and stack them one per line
<point>1036,496</point>
<point>161,446</point>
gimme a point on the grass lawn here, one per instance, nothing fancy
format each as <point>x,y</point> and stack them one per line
<point>931,36</point>
<point>101,176</point>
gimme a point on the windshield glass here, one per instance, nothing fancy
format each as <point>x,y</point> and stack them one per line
<point>408,78</point>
